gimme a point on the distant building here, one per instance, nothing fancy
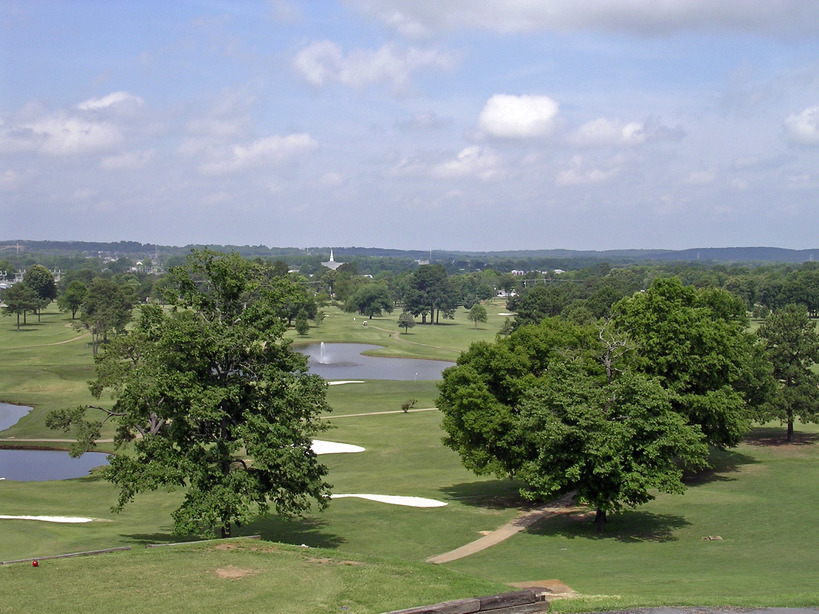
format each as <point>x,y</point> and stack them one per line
<point>332,264</point>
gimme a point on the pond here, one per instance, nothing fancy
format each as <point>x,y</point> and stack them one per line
<point>40,465</point>
<point>346,361</point>
<point>11,414</point>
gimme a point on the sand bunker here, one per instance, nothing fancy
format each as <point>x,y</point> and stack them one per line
<point>333,447</point>
<point>396,500</point>
<point>61,519</point>
<point>346,381</point>
<point>507,314</point>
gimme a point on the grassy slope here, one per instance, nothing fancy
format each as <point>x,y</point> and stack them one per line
<point>760,499</point>
<point>240,576</point>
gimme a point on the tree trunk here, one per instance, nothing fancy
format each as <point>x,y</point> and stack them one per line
<point>18,321</point>
<point>226,531</point>
<point>599,520</point>
<point>789,438</point>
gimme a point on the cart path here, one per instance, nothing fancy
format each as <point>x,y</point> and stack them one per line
<point>562,505</point>
<point>28,347</point>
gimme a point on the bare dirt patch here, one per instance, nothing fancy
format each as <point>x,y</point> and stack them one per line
<point>226,546</point>
<point>553,588</point>
<point>231,572</point>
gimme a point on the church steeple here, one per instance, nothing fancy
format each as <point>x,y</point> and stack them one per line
<point>331,263</point>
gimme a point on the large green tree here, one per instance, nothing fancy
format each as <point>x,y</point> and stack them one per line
<point>552,405</point>
<point>696,342</point>
<point>212,399</point>
<point>370,300</point>
<point>429,291</point>
<point>792,345</point>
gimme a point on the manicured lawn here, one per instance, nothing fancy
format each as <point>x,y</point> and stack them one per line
<point>760,499</point>
<point>245,576</point>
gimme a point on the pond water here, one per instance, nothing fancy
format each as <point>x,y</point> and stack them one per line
<point>332,361</point>
<point>41,465</point>
<point>10,414</point>
<point>346,361</point>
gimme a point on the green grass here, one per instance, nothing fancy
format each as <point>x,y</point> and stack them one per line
<point>238,576</point>
<point>760,499</point>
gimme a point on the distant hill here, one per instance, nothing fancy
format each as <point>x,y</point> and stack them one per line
<point>133,249</point>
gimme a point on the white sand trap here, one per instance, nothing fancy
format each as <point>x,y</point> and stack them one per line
<point>507,314</point>
<point>333,447</point>
<point>61,519</point>
<point>346,381</point>
<point>396,500</point>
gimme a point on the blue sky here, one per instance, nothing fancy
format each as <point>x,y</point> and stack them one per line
<point>413,124</point>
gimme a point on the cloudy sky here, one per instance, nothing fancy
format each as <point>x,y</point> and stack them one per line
<point>413,124</point>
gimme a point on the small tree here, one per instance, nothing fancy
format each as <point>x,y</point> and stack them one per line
<point>319,317</point>
<point>302,327</point>
<point>71,300</point>
<point>105,309</point>
<point>19,300</point>
<point>477,314</point>
<point>406,320</point>
<point>40,279</point>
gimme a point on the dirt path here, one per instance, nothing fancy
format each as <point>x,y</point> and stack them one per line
<point>563,505</point>
<point>41,345</point>
<point>379,413</point>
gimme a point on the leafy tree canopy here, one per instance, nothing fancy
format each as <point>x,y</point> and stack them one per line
<point>696,343</point>
<point>40,279</point>
<point>212,399</point>
<point>545,405</point>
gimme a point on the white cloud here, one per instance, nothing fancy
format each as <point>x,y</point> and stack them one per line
<point>803,127</point>
<point>641,17</point>
<point>578,174</point>
<point>323,62</point>
<point>604,132</point>
<point>112,100</point>
<point>271,150</point>
<point>59,134</point>
<point>128,161</point>
<point>518,117</point>
<point>473,161</point>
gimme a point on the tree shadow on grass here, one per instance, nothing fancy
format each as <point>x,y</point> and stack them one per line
<point>492,494</point>
<point>722,463</point>
<point>770,436</point>
<point>308,531</point>
<point>298,531</point>
<point>632,526</point>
